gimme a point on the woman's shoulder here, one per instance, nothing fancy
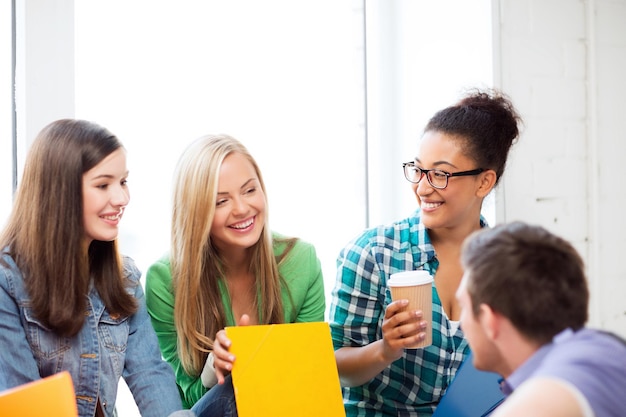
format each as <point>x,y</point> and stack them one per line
<point>159,271</point>
<point>280,241</point>
<point>10,274</point>
<point>163,261</point>
<point>388,234</point>
<point>8,264</point>
<point>293,248</point>
<point>131,271</point>
<point>6,259</point>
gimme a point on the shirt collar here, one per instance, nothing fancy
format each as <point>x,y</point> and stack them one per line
<point>522,373</point>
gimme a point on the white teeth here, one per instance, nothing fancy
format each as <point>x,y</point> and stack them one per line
<point>242,225</point>
<point>430,205</point>
<point>114,216</point>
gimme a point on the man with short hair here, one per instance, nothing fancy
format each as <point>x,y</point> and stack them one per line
<point>524,302</point>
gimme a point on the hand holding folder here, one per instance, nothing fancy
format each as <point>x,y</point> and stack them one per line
<point>285,370</point>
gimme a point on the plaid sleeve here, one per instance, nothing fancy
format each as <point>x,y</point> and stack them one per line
<point>357,302</point>
<point>412,385</point>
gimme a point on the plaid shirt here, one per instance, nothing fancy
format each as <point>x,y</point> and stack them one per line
<point>413,384</point>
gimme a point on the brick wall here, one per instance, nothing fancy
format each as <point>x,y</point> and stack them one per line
<point>563,62</point>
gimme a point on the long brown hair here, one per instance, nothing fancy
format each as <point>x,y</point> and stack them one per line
<point>45,233</point>
<point>195,263</point>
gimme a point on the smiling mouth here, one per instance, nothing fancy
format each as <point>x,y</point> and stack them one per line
<point>243,225</point>
<point>113,217</point>
<point>430,205</point>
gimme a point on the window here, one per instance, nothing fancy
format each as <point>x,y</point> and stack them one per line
<point>283,77</point>
<point>6,110</point>
<point>330,97</point>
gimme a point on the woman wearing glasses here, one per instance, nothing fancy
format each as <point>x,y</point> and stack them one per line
<point>461,157</point>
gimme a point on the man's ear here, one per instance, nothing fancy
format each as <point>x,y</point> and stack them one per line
<point>490,321</point>
<point>487,182</point>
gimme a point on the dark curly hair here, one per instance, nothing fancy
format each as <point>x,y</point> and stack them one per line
<point>485,122</point>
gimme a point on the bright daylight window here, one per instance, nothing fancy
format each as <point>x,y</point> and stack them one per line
<point>329,96</point>
<point>283,77</point>
<point>287,78</point>
<point>6,112</point>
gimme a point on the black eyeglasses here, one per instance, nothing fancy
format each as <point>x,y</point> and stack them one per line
<point>436,177</point>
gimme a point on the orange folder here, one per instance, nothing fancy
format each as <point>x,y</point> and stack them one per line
<point>285,370</point>
<point>52,396</point>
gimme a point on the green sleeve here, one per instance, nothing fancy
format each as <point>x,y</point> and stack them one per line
<point>160,303</point>
<point>302,272</point>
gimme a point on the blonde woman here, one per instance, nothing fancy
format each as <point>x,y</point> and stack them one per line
<point>225,267</point>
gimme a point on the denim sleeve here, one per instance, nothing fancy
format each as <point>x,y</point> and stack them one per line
<point>149,378</point>
<point>17,363</point>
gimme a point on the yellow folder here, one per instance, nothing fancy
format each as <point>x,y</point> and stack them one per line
<point>285,370</point>
<point>52,396</point>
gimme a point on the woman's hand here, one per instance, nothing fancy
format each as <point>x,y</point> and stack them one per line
<point>357,365</point>
<point>223,359</point>
<point>401,329</point>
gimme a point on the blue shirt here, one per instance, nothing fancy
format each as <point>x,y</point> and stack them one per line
<point>105,349</point>
<point>413,384</point>
<point>591,360</point>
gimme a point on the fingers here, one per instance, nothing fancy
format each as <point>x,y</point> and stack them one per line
<point>244,320</point>
<point>223,359</point>
<point>401,328</point>
<point>395,307</point>
<point>396,313</point>
<point>219,374</point>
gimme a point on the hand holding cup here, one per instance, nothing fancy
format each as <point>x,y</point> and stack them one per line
<point>415,286</point>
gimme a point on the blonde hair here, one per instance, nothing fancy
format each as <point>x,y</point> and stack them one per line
<point>195,263</point>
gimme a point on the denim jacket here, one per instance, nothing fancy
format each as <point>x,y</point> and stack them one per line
<point>105,349</point>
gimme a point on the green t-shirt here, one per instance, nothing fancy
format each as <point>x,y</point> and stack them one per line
<point>302,272</point>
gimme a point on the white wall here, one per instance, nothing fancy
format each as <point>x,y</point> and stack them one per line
<point>563,62</point>
<point>44,68</point>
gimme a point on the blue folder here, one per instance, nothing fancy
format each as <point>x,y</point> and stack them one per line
<point>472,393</point>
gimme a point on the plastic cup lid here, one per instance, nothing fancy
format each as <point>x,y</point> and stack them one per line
<point>407,278</point>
